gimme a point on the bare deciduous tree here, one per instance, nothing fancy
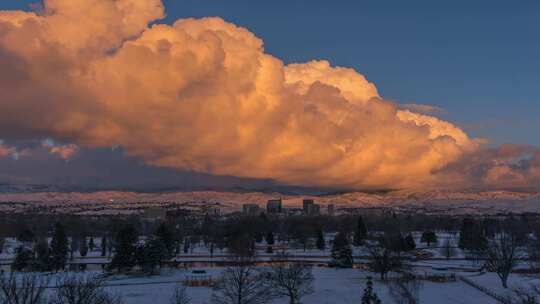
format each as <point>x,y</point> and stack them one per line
<point>448,250</point>
<point>22,289</point>
<point>293,280</point>
<point>502,255</point>
<point>180,296</point>
<point>79,289</point>
<point>241,283</point>
<point>405,290</point>
<point>533,252</point>
<point>383,260</point>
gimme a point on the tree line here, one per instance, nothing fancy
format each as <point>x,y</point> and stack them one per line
<point>131,244</point>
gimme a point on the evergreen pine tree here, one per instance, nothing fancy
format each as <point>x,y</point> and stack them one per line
<point>429,237</point>
<point>360,233</point>
<point>150,255</point>
<point>270,238</point>
<point>110,245</point>
<point>369,296</point>
<point>91,244</point>
<point>73,247</point>
<point>252,246</point>
<point>410,244</point>
<point>186,244</point>
<point>43,258</point>
<point>103,246</point>
<point>23,258</point>
<point>83,247</point>
<point>166,236</point>
<point>125,249</point>
<point>341,251</point>
<point>59,248</point>
<point>465,232</point>
<point>26,236</point>
<point>471,236</point>
<point>258,237</point>
<point>320,239</point>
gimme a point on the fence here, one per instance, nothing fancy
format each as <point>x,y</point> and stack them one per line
<point>433,277</point>
<point>486,290</point>
<point>405,290</point>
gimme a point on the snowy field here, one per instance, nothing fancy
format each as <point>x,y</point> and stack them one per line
<point>331,286</point>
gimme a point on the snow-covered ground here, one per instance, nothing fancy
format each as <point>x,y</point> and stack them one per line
<point>334,286</point>
<point>331,286</point>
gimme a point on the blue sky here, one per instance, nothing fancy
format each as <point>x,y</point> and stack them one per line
<point>478,60</point>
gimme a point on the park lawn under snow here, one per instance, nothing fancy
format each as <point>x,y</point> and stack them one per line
<point>332,286</point>
<point>515,281</point>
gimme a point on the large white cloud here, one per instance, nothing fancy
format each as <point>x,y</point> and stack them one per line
<point>202,95</point>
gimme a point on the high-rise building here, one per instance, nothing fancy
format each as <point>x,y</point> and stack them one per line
<point>310,208</point>
<point>306,205</point>
<point>331,210</point>
<point>274,206</point>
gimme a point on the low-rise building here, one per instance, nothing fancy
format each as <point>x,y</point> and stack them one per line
<point>331,210</point>
<point>294,211</point>
<point>251,210</point>
<point>306,205</point>
<point>213,211</point>
<point>314,209</point>
<point>155,213</point>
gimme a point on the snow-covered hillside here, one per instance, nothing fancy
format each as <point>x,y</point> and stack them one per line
<point>444,201</point>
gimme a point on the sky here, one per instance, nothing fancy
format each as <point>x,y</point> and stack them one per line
<point>478,60</point>
<point>475,62</point>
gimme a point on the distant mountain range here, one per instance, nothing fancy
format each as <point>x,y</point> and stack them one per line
<point>7,188</point>
<point>474,201</point>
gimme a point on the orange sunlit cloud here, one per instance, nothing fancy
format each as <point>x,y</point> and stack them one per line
<point>203,95</point>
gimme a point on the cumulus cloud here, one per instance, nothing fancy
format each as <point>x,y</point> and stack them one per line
<point>352,85</point>
<point>422,108</point>
<point>6,150</point>
<point>65,152</point>
<point>202,95</point>
<point>506,166</point>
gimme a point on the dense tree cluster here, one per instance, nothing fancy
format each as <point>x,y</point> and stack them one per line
<point>47,244</point>
<point>341,251</point>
